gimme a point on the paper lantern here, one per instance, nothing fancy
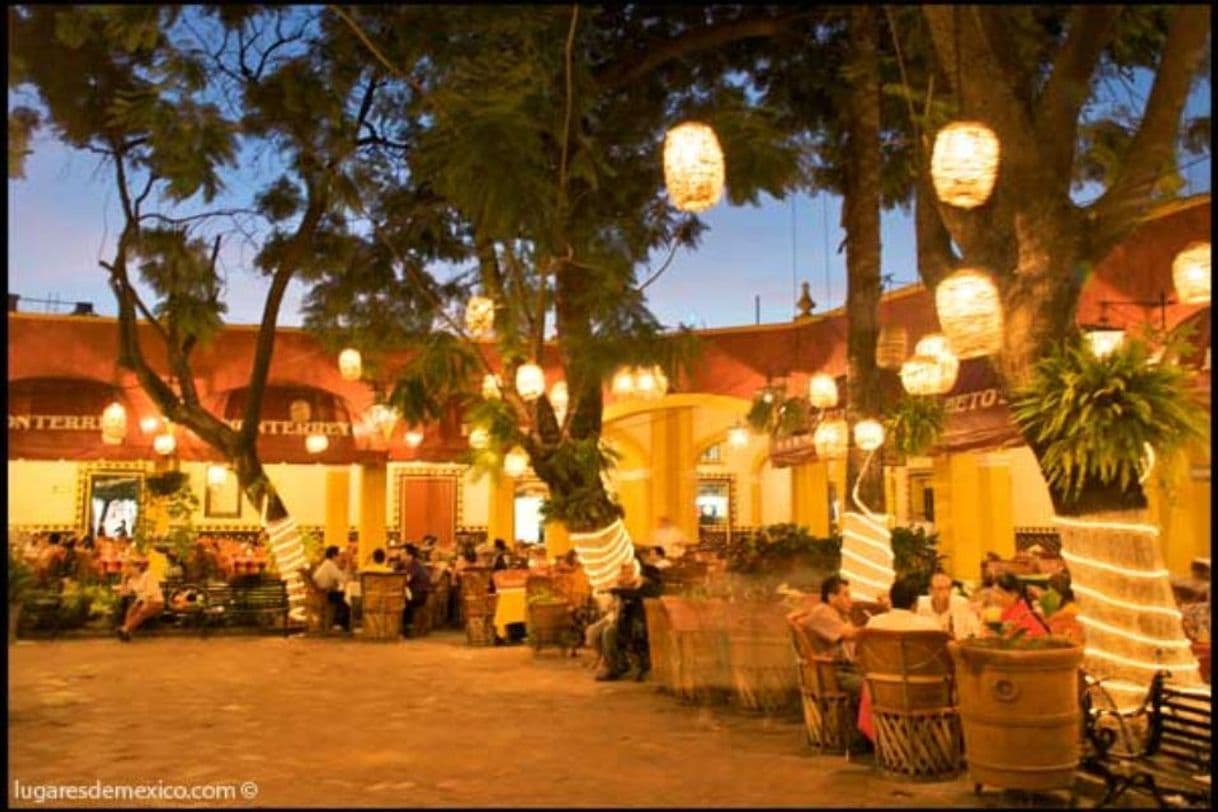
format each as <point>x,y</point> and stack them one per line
<point>413,437</point>
<point>693,167</point>
<point>822,391</point>
<point>927,375</point>
<point>490,387</point>
<point>1190,271</point>
<point>738,436</point>
<point>150,424</point>
<point>479,438</point>
<point>970,312</point>
<point>650,382</point>
<point>891,347</point>
<point>559,398</point>
<point>217,475</point>
<point>964,163</point>
<point>164,444</point>
<point>530,381</point>
<point>936,346</point>
<point>1103,341</point>
<point>350,365</point>
<point>515,462</point>
<point>316,443</point>
<point>623,382</point>
<point>113,423</point>
<point>831,439</point>
<point>384,417</point>
<point>933,344</point>
<point>479,316</point>
<point>868,435</point>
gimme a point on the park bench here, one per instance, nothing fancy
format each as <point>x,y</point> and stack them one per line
<point>41,610</point>
<point>1174,760</point>
<point>227,604</point>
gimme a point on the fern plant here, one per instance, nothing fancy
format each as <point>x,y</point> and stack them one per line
<point>914,424</point>
<point>1090,420</point>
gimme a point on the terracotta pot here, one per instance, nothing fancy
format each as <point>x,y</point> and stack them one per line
<point>1021,716</point>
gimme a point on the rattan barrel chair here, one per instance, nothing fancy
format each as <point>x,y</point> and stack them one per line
<point>829,712</point>
<point>913,707</point>
<point>319,612</point>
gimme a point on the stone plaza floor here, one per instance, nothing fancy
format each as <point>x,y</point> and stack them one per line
<point>431,722</point>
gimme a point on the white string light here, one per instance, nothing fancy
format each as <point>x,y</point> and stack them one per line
<point>1075,558</point>
<point>1127,527</point>
<point>1135,607</point>
<point>603,552</point>
<point>1150,463</point>
<point>1106,655</point>
<point>1160,642</point>
<point>864,560</point>
<point>868,541</point>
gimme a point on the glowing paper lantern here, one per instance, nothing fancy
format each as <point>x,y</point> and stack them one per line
<point>623,383</point>
<point>316,443</point>
<point>559,399</point>
<point>1103,341</point>
<point>164,444</point>
<point>964,163</point>
<point>831,439</point>
<point>530,381</point>
<point>479,438</point>
<point>693,167</point>
<point>490,387</point>
<point>891,347</point>
<point>217,475</point>
<point>926,375</point>
<point>350,364</point>
<point>933,344</point>
<point>150,424</point>
<point>113,423</point>
<point>515,462</point>
<point>970,312</point>
<point>822,391</point>
<point>645,383</point>
<point>480,315</point>
<point>868,435</point>
<point>738,436</point>
<point>1190,271</point>
<point>413,437</point>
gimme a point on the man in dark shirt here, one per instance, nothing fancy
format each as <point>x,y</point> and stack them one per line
<point>500,562</point>
<point>419,584</point>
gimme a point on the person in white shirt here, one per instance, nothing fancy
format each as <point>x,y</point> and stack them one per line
<point>670,537</point>
<point>330,578</point>
<point>951,612</point>
<point>901,618</point>
<point>148,603</point>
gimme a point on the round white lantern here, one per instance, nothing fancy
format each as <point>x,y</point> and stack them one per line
<point>559,397</point>
<point>964,163</point>
<point>822,391</point>
<point>928,375</point>
<point>530,381</point>
<point>479,316</point>
<point>868,434</point>
<point>891,347</point>
<point>1190,271</point>
<point>350,365</point>
<point>738,436</point>
<point>831,439</point>
<point>515,462</point>
<point>970,312</point>
<point>479,438</point>
<point>623,382</point>
<point>150,424</point>
<point>693,167</point>
<point>164,444</point>
<point>1103,341</point>
<point>316,443</point>
<point>217,475</point>
<point>933,344</point>
<point>413,437</point>
<point>113,423</point>
<point>490,387</point>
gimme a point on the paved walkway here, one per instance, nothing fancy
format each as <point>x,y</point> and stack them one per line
<point>427,722</point>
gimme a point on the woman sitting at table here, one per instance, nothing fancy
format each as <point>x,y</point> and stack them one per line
<point>1063,619</point>
<point>1011,596</point>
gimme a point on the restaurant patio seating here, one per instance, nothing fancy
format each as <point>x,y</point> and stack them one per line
<point>828,710</point>
<point>384,595</point>
<point>550,617</point>
<point>917,725</point>
<point>319,612</point>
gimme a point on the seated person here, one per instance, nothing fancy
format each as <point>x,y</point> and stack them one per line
<point>147,600</point>
<point>657,559</point>
<point>330,579</point>
<point>626,634</point>
<point>831,631</point>
<point>1011,596</point>
<point>378,562</point>
<point>418,587</point>
<point>901,618</point>
<point>1061,610</point>
<point>500,559</point>
<point>952,612</point>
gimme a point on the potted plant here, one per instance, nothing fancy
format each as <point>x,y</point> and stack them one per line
<point>20,582</point>
<point>915,555</point>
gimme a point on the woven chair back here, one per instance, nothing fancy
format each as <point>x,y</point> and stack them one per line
<point>907,670</point>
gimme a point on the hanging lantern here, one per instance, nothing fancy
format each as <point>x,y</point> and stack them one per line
<point>316,443</point>
<point>490,387</point>
<point>299,411</point>
<point>933,344</point>
<point>738,436</point>
<point>515,462</point>
<point>623,382</point>
<point>350,365</point>
<point>479,438</point>
<point>693,167</point>
<point>150,424</point>
<point>530,381</point>
<point>831,439</point>
<point>384,417</point>
<point>964,163</point>
<point>970,311</point>
<point>413,437</point>
<point>937,347</point>
<point>868,435</point>
<point>480,316</point>
<point>114,423</point>
<point>822,391</point>
<point>1103,340</point>
<point>1190,271</point>
<point>559,398</point>
<point>891,347</point>
<point>661,381</point>
<point>217,475</point>
<point>927,375</point>
<point>164,443</point>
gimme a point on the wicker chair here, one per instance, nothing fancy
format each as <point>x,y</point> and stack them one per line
<point>384,595</point>
<point>829,712</point>
<point>917,725</point>
<point>319,612</point>
<point>550,617</point>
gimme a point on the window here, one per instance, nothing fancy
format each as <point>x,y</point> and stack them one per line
<point>921,497</point>
<point>713,502</point>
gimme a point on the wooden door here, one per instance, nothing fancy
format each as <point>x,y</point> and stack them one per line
<point>429,505</point>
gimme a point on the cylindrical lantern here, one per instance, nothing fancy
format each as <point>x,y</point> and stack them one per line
<point>934,345</point>
<point>1190,271</point>
<point>350,365</point>
<point>891,347</point>
<point>559,398</point>
<point>738,436</point>
<point>929,375</point>
<point>413,437</point>
<point>650,382</point>
<point>822,391</point>
<point>164,443</point>
<point>831,439</point>
<point>515,462</point>
<point>868,435</point>
<point>217,475</point>
<point>114,423</point>
<point>479,315</point>
<point>150,424</point>
<point>693,167</point>
<point>1103,341</point>
<point>964,163</point>
<point>316,443</point>
<point>530,381</point>
<point>970,312</point>
<point>623,383</point>
<point>479,438</point>
<point>490,387</point>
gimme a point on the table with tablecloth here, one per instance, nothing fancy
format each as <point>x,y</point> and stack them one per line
<point>509,608</point>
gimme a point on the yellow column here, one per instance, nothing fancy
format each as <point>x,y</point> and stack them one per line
<point>558,540</point>
<point>1181,509</point>
<point>958,512</point>
<point>501,517</point>
<point>338,502</point>
<point>810,497</point>
<point>996,515</point>
<point>373,491</point>
<point>635,498</point>
<point>673,474</point>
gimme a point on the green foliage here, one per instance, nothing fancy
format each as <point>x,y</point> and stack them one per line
<point>20,578</point>
<point>914,424</point>
<point>443,368</point>
<point>1090,419</point>
<point>915,556</point>
<point>783,546</point>
<point>172,491</point>
<point>761,413</point>
<point>578,497</point>
<point>774,412</point>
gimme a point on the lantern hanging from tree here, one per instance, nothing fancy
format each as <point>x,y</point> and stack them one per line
<point>480,316</point>
<point>479,438</point>
<point>925,375</point>
<point>413,437</point>
<point>1103,340</point>
<point>822,391</point>
<point>693,167</point>
<point>114,424</point>
<point>316,443</point>
<point>936,346</point>
<point>868,435</point>
<point>738,435</point>
<point>350,364</point>
<point>891,346</point>
<point>530,381</point>
<point>623,382</point>
<point>559,400</point>
<point>1190,272</point>
<point>515,462</point>
<point>831,439</point>
<point>217,475</point>
<point>970,311</point>
<point>150,424</point>
<point>490,387</point>
<point>964,163</point>
<point>164,443</point>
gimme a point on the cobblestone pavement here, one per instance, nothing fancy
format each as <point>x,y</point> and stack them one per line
<point>432,722</point>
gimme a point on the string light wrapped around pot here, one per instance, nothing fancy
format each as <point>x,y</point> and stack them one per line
<point>964,163</point>
<point>891,346</point>
<point>831,439</point>
<point>1190,272</point>
<point>970,312</point>
<point>480,316</point>
<point>515,462</point>
<point>822,391</point>
<point>530,381</point>
<point>114,423</point>
<point>868,435</point>
<point>693,167</point>
<point>350,364</point>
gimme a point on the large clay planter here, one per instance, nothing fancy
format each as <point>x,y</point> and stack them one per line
<point>1020,713</point>
<point>700,666</point>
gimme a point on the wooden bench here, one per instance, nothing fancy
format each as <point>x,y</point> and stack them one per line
<point>263,600</point>
<point>40,609</point>
<point>1173,763</point>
